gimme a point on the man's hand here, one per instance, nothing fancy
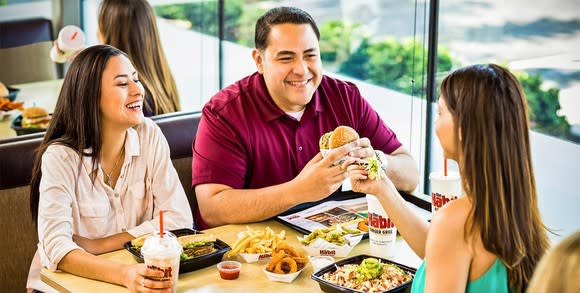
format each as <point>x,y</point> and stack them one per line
<point>321,176</point>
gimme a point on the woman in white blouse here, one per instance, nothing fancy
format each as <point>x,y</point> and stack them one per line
<point>101,175</point>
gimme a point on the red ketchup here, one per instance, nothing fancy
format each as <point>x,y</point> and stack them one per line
<point>229,270</point>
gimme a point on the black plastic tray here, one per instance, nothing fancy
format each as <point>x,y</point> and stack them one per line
<point>193,264</point>
<point>333,288</point>
<point>17,126</point>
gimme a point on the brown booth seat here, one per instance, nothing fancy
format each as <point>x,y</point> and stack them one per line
<point>16,161</point>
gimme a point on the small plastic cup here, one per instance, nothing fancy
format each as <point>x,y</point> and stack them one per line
<point>321,261</point>
<point>229,270</point>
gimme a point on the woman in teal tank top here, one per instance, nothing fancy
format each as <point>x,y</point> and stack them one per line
<point>490,239</point>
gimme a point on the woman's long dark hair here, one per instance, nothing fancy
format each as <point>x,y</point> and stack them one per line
<point>489,111</point>
<point>76,119</point>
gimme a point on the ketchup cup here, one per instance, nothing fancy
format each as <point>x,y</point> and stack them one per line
<point>229,270</point>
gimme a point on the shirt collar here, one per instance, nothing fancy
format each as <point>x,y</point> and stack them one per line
<point>132,148</point>
<point>272,111</point>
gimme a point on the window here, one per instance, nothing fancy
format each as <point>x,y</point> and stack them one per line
<point>539,43</point>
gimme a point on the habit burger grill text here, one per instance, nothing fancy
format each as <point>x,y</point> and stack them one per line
<point>439,200</point>
<point>380,225</point>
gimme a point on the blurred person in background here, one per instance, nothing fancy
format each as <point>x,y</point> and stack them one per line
<point>101,175</point>
<point>131,26</point>
<point>559,269</point>
<point>491,239</point>
<point>256,153</point>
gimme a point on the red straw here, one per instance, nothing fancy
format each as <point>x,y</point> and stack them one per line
<point>161,223</point>
<point>445,167</point>
<point>74,35</point>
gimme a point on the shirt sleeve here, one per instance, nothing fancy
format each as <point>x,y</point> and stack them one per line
<point>168,193</point>
<point>218,152</point>
<point>371,125</point>
<point>55,221</point>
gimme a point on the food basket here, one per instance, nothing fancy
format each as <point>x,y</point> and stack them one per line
<point>195,263</point>
<point>17,126</point>
<point>329,287</point>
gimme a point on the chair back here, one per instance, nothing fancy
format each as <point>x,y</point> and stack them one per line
<point>25,51</point>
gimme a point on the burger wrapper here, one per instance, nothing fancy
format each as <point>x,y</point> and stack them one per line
<point>323,247</point>
<point>325,153</point>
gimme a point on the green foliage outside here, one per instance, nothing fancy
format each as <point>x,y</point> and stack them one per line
<point>543,107</point>
<point>203,16</point>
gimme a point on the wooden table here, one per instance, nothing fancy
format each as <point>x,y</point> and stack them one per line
<point>43,94</point>
<point>252,278</point>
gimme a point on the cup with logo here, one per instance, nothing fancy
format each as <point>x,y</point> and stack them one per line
<point>382,230</point>
<point>71,39</point>
<point>444,188</point>
<point>161,251</point>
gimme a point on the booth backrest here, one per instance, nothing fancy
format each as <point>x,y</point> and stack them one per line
<point>18,244</point>
<point>21,32</point>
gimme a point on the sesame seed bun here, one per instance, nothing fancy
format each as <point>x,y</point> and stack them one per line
<point>337,138</point>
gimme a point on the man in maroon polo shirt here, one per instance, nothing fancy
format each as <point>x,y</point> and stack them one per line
<point>256,152</point>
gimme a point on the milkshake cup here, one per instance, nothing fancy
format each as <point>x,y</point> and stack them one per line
<point>162,252</point>
<point>71,39</point>
<point>444,189</point>
<point>382,231</point>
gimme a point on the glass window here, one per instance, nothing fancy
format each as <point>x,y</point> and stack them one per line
<point>538,41</point>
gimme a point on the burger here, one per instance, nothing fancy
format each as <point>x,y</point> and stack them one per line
<point>35,117</point>
<point>196,245</point>
<point>338,137</point>
<point>343,135</point>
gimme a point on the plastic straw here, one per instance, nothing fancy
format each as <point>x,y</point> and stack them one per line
<point>445,167</point>
<point>161,223</point>
<point>74,35</point>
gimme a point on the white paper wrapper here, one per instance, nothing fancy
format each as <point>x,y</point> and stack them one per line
<point>255,257</point>
<point>285,278</point>
<point>323,247</point>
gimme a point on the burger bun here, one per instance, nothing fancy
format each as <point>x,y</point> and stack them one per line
<point>337,138</point>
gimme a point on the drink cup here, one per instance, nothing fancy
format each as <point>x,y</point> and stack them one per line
<point>71,39</point>
<point>163,254</point>
<point>382,231</point>
<point>444,189</point>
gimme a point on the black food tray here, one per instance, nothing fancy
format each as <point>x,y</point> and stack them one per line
<point>17,126</point>
<point>195,263</point>
<point>333,288</point>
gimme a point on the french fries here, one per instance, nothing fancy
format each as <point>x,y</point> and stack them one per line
<point>6,105</point>
<point>260,242</point>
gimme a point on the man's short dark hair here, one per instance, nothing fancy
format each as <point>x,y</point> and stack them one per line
<point>280,15</point>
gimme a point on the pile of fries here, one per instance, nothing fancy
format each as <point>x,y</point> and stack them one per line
<point>286,260</point>
<point>253,241</point>
<point>6,105</point>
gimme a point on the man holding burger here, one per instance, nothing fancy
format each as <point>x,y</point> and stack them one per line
<point>256,152</point>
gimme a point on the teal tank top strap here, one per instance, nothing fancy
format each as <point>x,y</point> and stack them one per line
<point>493,280</point>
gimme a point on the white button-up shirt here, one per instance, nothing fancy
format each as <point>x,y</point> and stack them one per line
<point>71,203</point>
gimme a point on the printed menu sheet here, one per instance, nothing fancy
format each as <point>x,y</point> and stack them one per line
<point>328,214</point>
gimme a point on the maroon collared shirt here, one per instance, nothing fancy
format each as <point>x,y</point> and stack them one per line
<point>245,141</point>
